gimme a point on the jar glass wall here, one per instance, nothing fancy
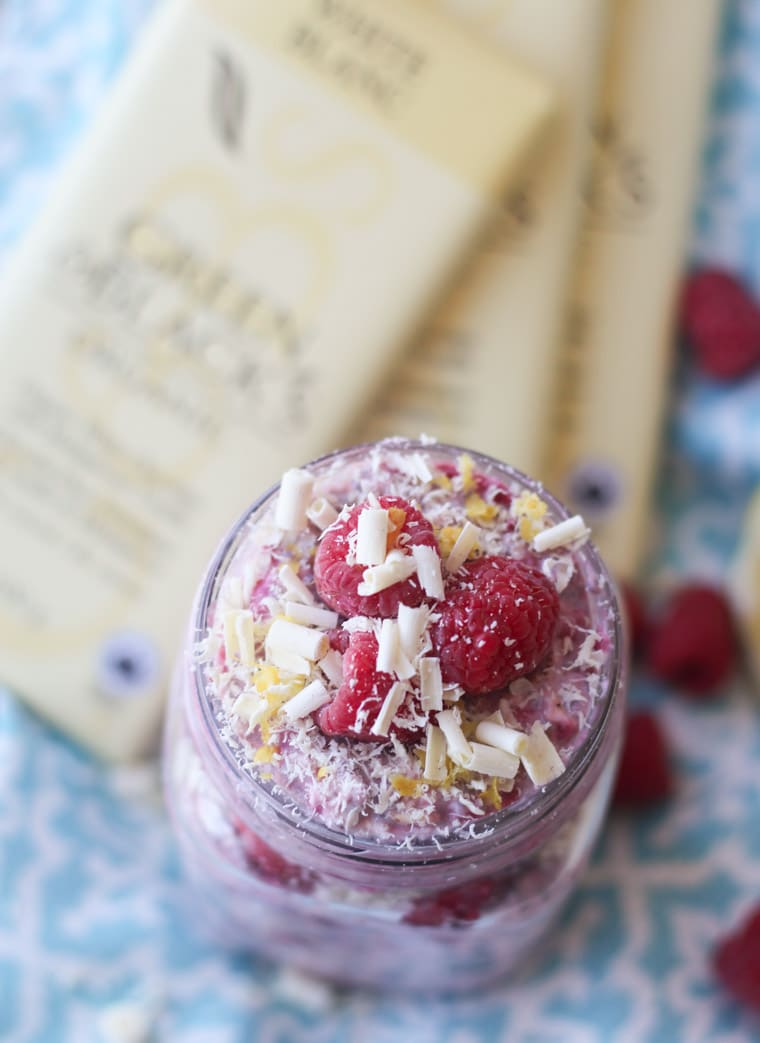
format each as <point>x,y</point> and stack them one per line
<point>445,888</point>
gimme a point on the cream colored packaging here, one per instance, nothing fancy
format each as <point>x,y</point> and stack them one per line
<point>483,372</point>
<point>270,202</point>
<point>615,353</point>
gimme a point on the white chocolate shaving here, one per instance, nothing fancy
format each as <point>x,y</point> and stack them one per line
<point>307,701</point>
<point>457,745</point>
<point>245,637</point>
<point>428,565</point>
<point>467,540</point>
<point>391,703</point>
<point>310,615</point>
<point>321,513</point>
<point>559,535</point>
<point>502,738</point>
<point>540,758</point>
<point>331,665</point>
<point>371,536</point>
<point>489,761</point>
<point>295,586</point>
<point>294,497</point>
<point>452,693</point>
<point>396,567</point>
<point>295,639</point>
<point>435,754</point>
<point>431,686</point>
<point>411,626</point>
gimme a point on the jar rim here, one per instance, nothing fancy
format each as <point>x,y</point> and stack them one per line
<point>524,816</point>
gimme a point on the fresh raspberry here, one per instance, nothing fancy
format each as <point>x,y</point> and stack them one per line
<point>268,863</point>
<point>456,905</point>
<point>644,772</point>
<point>496,623</point>
<point>636,618</point>
<point>355,706</point>
<point>339,639</point>
<point>337,580</point>
<point>722,323</point>
<point>693,645</point>
<point>736,961</point>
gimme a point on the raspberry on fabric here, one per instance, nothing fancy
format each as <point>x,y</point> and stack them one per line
<point>722,323</point>
<point>355,706</point>
<point>736,961</point>
<point>337,579</point>
<point>644,772</point>
<point>496,623</point>
<point>636,618</point>
<point>693,644</point>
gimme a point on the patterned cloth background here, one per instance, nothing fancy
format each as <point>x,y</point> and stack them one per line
<point>93,934</point>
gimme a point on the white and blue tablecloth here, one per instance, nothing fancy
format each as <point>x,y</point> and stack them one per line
<point>94,938</point>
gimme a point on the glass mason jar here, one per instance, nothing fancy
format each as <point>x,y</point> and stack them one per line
<point>440,914</point>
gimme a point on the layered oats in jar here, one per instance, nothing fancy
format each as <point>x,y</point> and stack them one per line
<point>393,731</point>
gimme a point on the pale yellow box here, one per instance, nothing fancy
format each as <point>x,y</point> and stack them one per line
<point>269,203</point>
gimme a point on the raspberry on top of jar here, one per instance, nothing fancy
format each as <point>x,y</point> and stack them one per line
<point>404,643</point>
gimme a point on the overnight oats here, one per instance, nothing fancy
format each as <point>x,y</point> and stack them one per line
<point>393,733</point>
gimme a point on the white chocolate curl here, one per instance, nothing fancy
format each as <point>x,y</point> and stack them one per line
<point>431,686</point>
<point>467,540</point>
<point>428,570</point>
<point>371,536</point>
<point>457,745</point>
<point>390,656</point>
<point>310,615</point>
<point>387,646</point>
<point>295,586</point>
<point>396,567</point>
<point>560,535</point>
<point>391,703</point>
<point>331,665</point>
<point>503,738</point>
<point>540,759</point>
<point>435,754</point>
<point>245,637</point>
<point>411,626</point>
<point>321,513</point>
<point>296,489</point>
<point>307,701</point>
<point>295,639</point>
<point>489,761</point>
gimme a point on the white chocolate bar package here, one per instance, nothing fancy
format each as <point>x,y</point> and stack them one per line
<point>270,202</point>
<point>614,355</point>
<point>482,373</point>
<point>577,401</point>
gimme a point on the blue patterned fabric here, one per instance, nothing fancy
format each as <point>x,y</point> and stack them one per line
<point>92,928</point>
